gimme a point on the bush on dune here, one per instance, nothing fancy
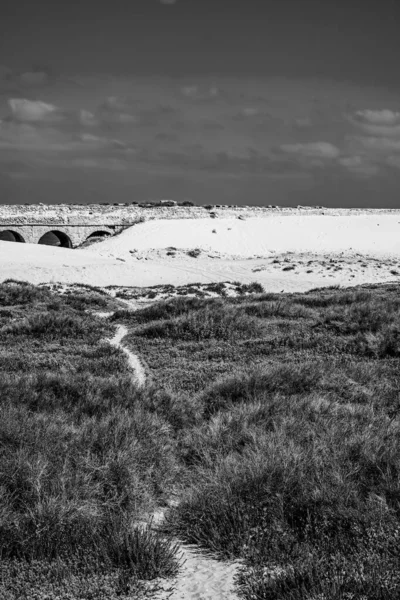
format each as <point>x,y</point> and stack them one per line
<point>164,310</point>
<point>21,293</point>
<point>210,322</point>
<point>80,395</point>
<point>293,499</point>
<point>259,384</point>
<point>67,490</point>
<point>52,326</point>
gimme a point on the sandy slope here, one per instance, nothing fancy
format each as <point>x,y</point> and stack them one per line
<point>373,234</point>
<point>283,253</point>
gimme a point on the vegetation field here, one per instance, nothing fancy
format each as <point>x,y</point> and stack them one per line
<point>274,419</point>
<point>286,415</point>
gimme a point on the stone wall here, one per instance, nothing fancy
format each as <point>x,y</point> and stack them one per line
<point>125,215</point>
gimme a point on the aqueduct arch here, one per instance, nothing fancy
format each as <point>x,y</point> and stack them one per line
<point>8,235</point>
<point>99,234</point>
<point>56,238</point>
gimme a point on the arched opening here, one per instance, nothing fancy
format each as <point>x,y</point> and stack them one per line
<point>11,236</point>
<point>99,234</point>
<point>95,237</point>
<point>56,238</point>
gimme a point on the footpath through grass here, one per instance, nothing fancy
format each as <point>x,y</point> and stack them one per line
<point>286,414</point>
<point>81,458</point>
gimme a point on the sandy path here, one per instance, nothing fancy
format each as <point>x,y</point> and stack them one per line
<point>200,577</point>
<point>133,360</point>
<point>203,578</point>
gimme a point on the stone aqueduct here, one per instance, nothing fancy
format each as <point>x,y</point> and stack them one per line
<point>67,226</point>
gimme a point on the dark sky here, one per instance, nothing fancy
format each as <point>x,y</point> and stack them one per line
<point>352,39</point>
<point>247,102</point>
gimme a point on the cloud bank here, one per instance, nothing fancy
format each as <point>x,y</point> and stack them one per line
<point>323,150</point>
<point>209,128</point>
<point>32,111</point>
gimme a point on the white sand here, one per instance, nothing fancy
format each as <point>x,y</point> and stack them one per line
<point>139,376</point>
<point>376,235</point>
<point>202,578</point>
<point>366,249</point>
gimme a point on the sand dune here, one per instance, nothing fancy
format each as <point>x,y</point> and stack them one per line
<point>283,253</point>
<point>372,234</point>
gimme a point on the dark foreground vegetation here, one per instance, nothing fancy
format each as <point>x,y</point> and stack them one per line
<point>81,458</point>
<point>275,418</point>
<point>286,414</point>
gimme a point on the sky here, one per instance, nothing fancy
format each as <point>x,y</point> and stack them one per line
<point>253,102</point>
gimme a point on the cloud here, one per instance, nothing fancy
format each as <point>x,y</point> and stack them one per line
<point>32,111</point>
<point>394,161</point>
<point>93,140</point>
<point>87,118</point>
<point>121,118</point>
<point>196,92</point>
<point>109,163</point>
<point>5,72</point>
<point>303,122</point>
<point>356,164</point>
<point>374,154</point>
<point>377,144</point>
<point>32,137</point>
<point>383,122</point>
<point>250,111</point>
<point>115,103</point>
<point>189,90</point>
<point>270,128</point>
<point>24,136</point>
<point>34,78</point>
<point>97,142</point>
<point>351,161</point>
<point>318,150</point>
<point>13,82</point>
<point>378,117</point>
<point>116,110</point>
<point>166,136</point>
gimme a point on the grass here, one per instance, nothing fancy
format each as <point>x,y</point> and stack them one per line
<point>194,253</point>
<point>274,417</point>
<point>81,458</point>
<point>286,414</point>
